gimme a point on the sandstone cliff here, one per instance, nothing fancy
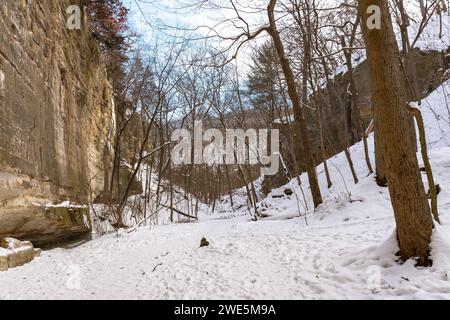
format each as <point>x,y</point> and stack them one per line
<point>56,120</point>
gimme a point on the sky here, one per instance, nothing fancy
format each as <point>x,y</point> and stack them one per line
<point>188,14</point>
<point>159,18</point>
<point>160,22</point>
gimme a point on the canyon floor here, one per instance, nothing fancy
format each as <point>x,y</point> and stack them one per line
<point>346,249</point>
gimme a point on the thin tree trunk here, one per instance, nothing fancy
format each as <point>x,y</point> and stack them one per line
<point>230,189</point>
<point>344,141</point>
<point>170,191</point>
<point>322,143</point>
<point>160,168</point>
<point>355,107</point>
<point>426,160</point>
<point>296,103</point>
<point>347,142</point>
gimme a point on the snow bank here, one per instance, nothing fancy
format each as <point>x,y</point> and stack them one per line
<point>428,40</point>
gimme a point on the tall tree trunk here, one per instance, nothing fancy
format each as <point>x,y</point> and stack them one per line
<point>230,189</point>
<point>408,66</point>
<point>320,126</point>
<point>296,104</point>
<point>170,191</point>
<point>322,140</point>
<point>408,197</point>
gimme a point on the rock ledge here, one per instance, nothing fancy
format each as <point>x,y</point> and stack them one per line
<point>15,253</point>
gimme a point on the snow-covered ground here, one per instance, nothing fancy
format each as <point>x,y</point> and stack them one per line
<point>431,38</point>
<point>346,249</point>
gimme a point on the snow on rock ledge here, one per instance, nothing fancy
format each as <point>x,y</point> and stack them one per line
<point>15,253</point>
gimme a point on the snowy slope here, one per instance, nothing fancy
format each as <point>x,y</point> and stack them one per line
<point>344,250</point>
<point>436,113</point>
<point>428,40</point>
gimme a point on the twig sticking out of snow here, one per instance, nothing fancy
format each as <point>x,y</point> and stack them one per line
<point>159,264</point>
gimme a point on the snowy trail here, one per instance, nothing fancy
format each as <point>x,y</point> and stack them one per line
<point>241,262</point>
<point>245,260</point>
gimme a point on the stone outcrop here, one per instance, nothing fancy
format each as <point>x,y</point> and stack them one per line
<point>15,253</point>
<point>56,121</point>
<point>430,70</point>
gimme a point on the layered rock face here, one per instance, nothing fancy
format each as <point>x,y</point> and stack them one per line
<point>56,120</point>
<point>15,253</point>
<point>430,73</point>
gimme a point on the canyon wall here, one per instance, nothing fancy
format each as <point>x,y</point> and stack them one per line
<point>430,69</point>
<point>56,121</point>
